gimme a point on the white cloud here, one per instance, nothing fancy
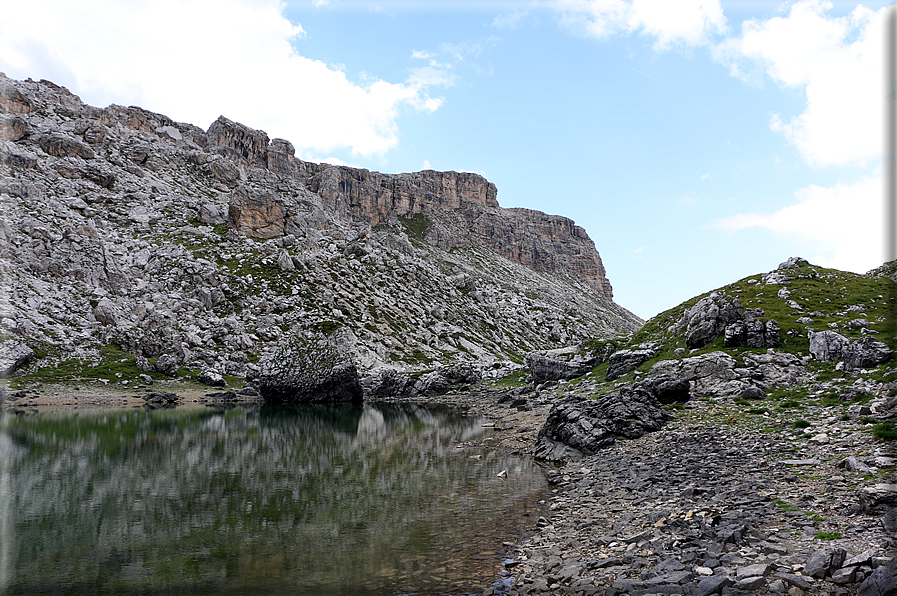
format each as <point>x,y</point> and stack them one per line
<point>691,22</point>
<point>196,59</point>
<point>427,165</point>
<point>836,60</point>
<point>705,177</point>
<point>842,223</point>
<point>509,20</point>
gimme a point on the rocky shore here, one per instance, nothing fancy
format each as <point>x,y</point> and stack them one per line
<point>716,502</point>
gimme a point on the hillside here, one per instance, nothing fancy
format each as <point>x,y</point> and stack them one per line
<point>133,244</point>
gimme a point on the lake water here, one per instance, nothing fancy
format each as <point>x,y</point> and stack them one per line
<point>332,500</point>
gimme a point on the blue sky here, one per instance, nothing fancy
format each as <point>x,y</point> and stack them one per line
<point>696,141</point>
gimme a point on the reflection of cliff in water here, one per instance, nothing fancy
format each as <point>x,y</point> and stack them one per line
<point>306,497</point>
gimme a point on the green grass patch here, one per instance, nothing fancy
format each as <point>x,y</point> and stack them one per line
<point>884,431</point>
<point>828,535</point>
<point>801,424</point>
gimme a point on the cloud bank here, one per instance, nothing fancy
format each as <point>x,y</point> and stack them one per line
<point>196,59</point>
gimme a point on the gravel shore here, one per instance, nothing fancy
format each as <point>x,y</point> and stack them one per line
<point>719,501</point>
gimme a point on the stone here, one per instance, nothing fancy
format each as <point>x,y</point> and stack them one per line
<point>308,370</point>
<point>712,585</point>
<point>544,368</point>
<point>667,389</point>
<point>13,356</point>
<point>827,346</point>
<point>623,362</point>
<point>577,426</point>
<point>709,317</point>
<point>824,562</point>
<point>758,569</point>
<point>104,312</point>
<point>882,582</point>
<point>753,393</point>
<point>60,144</point>
<point>168,365</point>
<point>212,214</point>
<point>211,378</point>
<point>866,353</point>
<point>750,583</point>
<point>285,262</point>
<point>161,398</point>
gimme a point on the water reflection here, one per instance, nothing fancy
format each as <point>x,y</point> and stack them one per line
<point>302,500</point>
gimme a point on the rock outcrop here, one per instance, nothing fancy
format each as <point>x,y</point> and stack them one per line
<point>206,247</point>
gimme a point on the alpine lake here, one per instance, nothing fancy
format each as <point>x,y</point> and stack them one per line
<point>377,499</point>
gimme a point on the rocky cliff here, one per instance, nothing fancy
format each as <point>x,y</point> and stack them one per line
<point>128,235</point>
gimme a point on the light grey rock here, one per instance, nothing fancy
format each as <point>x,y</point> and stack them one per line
<point>709,317</point>
<point>168,365</point>
<point>13,356</point>
<point>211,378</point>
<point>623,362</point>
<point>827,346</point>
<point>866,353</point>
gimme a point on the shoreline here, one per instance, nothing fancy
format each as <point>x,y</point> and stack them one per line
<point>708,504</point>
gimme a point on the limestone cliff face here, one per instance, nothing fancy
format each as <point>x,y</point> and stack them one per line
<point>540,241</point>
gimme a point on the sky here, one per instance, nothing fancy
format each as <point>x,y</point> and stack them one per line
<point>696,141</point>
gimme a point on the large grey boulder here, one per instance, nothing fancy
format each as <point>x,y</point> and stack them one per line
<point>308,370</point>
<point>13,355</point>
<point>579,425</point>
<point>543,367</point>
<point>622,362</point>
<point>827,346</point>
<point>866,353</point>
<point>708,318</point>
<point>882,582</point>
<point>390,383</point>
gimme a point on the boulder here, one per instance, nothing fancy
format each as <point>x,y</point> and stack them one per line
<point>827,346</point>
<point>667,390</point>
<point>389,383</point>
<point>104,312</point>
<point>579,426</point>
<point>543,368</point>
<point>708,318</point>
<point>865,353</point>
<point>211,378</point>
<point>308,370</point>
<point>882,582</point>
<point>824,561</point>
<point>622,362</point>
<point>168,365</point>
<point>13,356</point>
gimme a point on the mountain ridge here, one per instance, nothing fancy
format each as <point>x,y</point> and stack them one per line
<point>129,235</point>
